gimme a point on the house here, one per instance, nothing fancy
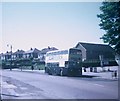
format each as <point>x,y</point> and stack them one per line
<point>44,51</point>
<point>2,56</point>
<point>32,53</point>
<point>94,52</point>
<point>7,56</point>
<point>18,54</point>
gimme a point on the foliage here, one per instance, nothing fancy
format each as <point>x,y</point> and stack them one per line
<point>110,22</point>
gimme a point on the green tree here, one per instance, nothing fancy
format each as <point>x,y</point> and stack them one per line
<point>110,22</point>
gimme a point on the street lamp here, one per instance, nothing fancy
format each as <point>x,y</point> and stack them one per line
<point>101,61</point>
<point>11,56</point>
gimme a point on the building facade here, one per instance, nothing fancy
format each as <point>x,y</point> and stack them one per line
<point>96,52</point>
<point>19,54</point>
<point>32,53</point>
<point>44,51</point>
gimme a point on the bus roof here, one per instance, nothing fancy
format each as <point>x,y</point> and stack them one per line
<point>62,50</point>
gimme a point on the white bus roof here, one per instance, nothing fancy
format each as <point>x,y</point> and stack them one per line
<point>55,51</point>
<point>61,50</point>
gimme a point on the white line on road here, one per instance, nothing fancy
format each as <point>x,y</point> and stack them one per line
<point>98,85</point>
<point>6,85</point>
<point>12,92</point>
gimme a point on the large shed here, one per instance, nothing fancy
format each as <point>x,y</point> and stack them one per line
<point>96,52</point>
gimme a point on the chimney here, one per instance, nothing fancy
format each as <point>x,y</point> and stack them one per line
<point>48,47</point>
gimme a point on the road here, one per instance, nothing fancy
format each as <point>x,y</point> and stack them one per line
<point>29,85</point>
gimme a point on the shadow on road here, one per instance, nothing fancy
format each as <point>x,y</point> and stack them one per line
<point>84,76</point>
<point>9,95</point>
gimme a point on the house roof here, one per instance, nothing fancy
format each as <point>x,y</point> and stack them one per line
<point>45,50</point>
<point>19,52</point>
<point>7,53</point>
<point>35,50</point>
<point>1,54</point>
<point>97,47</point>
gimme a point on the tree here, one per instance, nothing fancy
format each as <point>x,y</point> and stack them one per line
<point>110,22</point>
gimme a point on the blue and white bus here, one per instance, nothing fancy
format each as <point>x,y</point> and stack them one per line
<point>64,62</point>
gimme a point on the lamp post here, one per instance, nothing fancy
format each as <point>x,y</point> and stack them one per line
<point>11,56</point>
<point>101,61</point>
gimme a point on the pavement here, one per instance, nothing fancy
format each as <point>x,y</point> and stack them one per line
<point>28,70</point>
<point>104,74</point>
<point>99,74</point>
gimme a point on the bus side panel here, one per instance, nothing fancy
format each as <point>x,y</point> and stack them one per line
<point>74,71</point>
<point>63,71</point>
<point>56,71</point>
<point>53,70</point>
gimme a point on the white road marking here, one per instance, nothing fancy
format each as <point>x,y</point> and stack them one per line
<point>6,85</point>
<point>23,88</point>
<point>98,84</point>
<point>10,88</point>
<point>12,92</point>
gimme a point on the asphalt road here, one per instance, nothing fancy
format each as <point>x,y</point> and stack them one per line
<point>28,85</point>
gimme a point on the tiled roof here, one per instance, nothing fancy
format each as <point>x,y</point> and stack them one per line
<point>35,50</point>
<point>1,54</point>
<point>45,50</point>
<point>7,53</point>
<point>19,52</point>
<point>97,47</point>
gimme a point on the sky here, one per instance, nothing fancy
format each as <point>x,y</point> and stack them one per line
<point>38,25</point>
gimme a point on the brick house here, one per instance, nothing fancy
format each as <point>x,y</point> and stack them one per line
<point>18,54</point>
<point>44,51</point>
<point>32,53</point>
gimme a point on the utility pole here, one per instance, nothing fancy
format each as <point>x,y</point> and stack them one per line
<point>11,56</point>
<point>101,61</point>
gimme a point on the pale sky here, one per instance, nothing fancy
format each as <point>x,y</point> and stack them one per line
<point>39,25</point>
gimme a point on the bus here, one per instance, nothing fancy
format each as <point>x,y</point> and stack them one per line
<point>64,62</point>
